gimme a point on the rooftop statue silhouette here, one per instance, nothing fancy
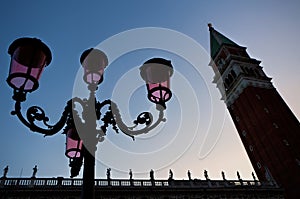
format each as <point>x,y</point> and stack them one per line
<point>239,177</point>
<point>189,175</point>
<point>131,178</point>
<point>108,176</point>
<point>170,174</point>
<point>5,171</point>
<point>151,175</point>
<point>206,175</point>
<point>35,169</point>
<point>108,173</point>
<point>253,176</point>
<point>130,174</point>
<point>223,175</point>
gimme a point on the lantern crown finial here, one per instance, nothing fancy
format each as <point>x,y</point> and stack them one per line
<point>95,54</point>
<point>159,60</point>
<point>28,41</point>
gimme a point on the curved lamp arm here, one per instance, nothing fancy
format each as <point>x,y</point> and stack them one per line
<point>113,117</point>
<point>35,113</point>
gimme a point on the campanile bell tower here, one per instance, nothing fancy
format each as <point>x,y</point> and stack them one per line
<point>268,129</point>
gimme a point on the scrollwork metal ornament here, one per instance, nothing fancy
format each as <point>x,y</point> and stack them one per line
<point>35,116</point>
<point>36,113</point>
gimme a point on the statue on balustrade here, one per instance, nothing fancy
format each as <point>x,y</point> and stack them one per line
<point>5,171</point>
<point>108,173</point>
<point>189,175</point>
<point>151,175</point>
<point>35,169</point>
<point>130,174</point>
<point>170,174</point>
<point>206,175</point>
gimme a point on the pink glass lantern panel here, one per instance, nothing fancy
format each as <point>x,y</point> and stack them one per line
<point>73,144</point>
<point>27,64</point>
<point>93,77</point>
<point>159,92</point>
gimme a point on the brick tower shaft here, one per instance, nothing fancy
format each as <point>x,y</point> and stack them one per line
<point>268,129</point>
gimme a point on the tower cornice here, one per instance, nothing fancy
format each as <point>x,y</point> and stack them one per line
<point>243,83</point>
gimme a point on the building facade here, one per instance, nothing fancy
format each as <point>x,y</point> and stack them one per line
<point>61,188</point>
<point>269,130</point>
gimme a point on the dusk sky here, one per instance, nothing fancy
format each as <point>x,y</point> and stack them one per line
<point>199,133</point>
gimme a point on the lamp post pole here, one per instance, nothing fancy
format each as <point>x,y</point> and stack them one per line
<point>29,56</point>
<point>89,148</point>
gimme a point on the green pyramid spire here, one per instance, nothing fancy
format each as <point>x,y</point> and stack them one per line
<point>217,40</point>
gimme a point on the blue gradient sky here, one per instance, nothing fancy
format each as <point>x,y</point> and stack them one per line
<point>269,29</point>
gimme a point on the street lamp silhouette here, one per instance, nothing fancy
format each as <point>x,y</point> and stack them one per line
<point>29,56</point>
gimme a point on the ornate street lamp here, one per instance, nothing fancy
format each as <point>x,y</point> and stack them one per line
<point>29,56</point>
